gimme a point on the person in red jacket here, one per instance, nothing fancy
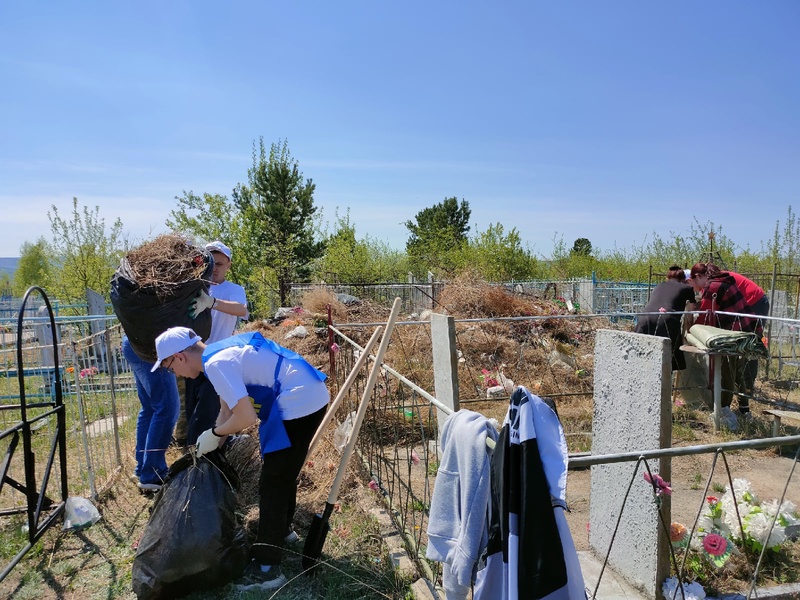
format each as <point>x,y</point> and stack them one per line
<point>756,299</point>
<point>720,292</point>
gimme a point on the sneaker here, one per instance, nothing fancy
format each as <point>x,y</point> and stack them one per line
<point>254,577</point>
<point>728,419</point>
<point>291,537</point>
<point>149,487</point>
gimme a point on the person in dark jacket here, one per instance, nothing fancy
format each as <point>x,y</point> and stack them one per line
<point>664,309</point>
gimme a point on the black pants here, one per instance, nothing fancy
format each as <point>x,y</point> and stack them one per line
<point>729,365</point>
<point>748,369</point>
<point>277,488</point>
<point>202,407</point>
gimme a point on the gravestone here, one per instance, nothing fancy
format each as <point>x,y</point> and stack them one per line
<point>632,412</point>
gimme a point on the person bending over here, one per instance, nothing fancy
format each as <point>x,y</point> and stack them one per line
<point>257,381</point>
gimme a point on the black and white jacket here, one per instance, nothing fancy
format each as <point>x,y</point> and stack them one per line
<point>530,555</point>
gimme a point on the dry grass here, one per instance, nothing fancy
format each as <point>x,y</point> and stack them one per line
<point>469,296</point>
<point>166,261</point>
<point>317,302</point>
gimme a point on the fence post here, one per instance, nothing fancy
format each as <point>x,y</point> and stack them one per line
<point>111,365</point>
<point>586,291</point>
<point>445,364</point>
<point>96,306</point>
<point>82,416</point>
<point>771,311</point>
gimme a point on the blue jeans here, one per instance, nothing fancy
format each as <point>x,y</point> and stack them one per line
<point>158,394</point>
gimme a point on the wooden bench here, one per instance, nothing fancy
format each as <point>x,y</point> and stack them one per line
<point>778,415</point>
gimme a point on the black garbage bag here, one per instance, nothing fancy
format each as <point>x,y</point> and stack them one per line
<point>145,311</point>
<point>193,539</point>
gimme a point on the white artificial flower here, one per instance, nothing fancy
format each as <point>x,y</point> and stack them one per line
<point>705,523</point>
<point>770,508</point>
<point>691,590</point>
<point>729,514</point>
<point>757,525</point>
<point>789,512</point>
<point>743,490</point>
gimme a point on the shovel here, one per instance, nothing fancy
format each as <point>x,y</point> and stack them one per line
<point>343,391</point>
<point>318,531</point>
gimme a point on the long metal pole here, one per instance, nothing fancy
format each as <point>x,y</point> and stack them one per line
<point>82,417</point>
<point>601,459</point>
<point>111,365</point>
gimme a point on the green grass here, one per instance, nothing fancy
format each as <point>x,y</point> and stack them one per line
<point>96,563</point>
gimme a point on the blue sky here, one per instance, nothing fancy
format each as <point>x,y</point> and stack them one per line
<point>608,120</point>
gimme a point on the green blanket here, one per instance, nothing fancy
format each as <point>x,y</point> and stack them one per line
<point>723,341</point>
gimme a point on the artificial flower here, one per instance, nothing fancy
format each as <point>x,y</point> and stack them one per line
<point>757,526</point>
<point>660,486</point>
<point>715,544</point>
<point>691,590</point>
<point>677,531</point>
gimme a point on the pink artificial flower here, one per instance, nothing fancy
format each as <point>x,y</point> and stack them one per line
<point>335,348</point>
<point>414,458</point>
<point>662,310</point>
<point>373,486</point>
<point>661,486</point>
<point>715,544</point>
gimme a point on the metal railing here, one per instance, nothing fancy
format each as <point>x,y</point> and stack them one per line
<point>399,440</point>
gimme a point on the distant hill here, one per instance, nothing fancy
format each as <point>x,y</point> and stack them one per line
<point>8,265</point>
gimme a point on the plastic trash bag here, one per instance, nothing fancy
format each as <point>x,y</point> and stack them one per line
<point>193,539</point>
<point>297,332</point>
<point>145,312</point>
<point>79,513</point>
<point>343,432</point>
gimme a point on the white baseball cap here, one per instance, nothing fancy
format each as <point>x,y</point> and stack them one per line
<point>172,341</point>
<point>218,246</point>
<point>686,272</point>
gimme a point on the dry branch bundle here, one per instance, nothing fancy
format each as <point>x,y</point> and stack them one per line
<point>165,262</point>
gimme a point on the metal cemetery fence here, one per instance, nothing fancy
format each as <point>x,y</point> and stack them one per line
<point>399,439</point>
<point>100,405</point>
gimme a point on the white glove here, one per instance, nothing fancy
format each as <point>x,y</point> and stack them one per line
<point>199,304</point>
<point>208,441</point>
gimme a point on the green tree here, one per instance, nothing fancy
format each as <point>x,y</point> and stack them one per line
<point>567,264</point>
<point>85,255</point>
<point>582,247</point>
<point>351,260</point>
<point>214,217</point>
<point>438,234</point>
<point>33,267</point>
<point>6,287</point>
<point>500,256</point>
<point>277,211</point>
<point>784,247</point>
